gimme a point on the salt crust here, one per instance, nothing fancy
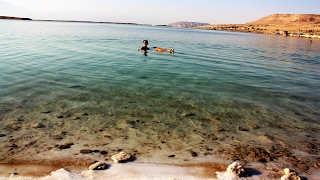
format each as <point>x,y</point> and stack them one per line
<point>146,172</point>
<point>124,171</point>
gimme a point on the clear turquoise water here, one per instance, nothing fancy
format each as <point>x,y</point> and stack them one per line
<point>109,93</point>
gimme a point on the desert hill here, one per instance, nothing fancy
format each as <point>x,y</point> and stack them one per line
<point>288,19</point>
<point>293,24</point>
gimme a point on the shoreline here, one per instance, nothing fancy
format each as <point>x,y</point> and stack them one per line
<point>67,21</point>
<point>132,170</point>
<point>129,170</point>
<point>71,167</point>
<point>298,30</point>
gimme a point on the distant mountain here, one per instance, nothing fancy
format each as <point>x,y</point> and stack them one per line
<point>288,19</point>
<point>186,24</point>
<point>7,9</point>
<point>10,10</point>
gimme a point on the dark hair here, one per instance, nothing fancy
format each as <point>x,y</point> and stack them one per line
<point>145,41</point>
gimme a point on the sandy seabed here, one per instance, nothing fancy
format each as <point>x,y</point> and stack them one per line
<point>38,145</point>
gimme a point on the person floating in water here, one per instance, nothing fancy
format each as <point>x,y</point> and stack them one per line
<point>145,48</point>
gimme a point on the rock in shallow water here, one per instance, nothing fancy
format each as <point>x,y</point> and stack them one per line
<point>121,157</point>
<point>98,166</point>
<point>37,125</point>
<point>193,154</point>
<point>253,126</point>
<point>85,151</point>
<point>188,114</point>
<point>219,129</point>
<point>103,152</point>
<point>46,111</point>
<point>212,137</point>
<point>65,146</point>
<point>243,129</point>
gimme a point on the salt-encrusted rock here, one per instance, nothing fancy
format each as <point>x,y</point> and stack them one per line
<point>289,175</point>
<point>98,166</point>
<point>234,171</point>
<point>235,168</point>
<point>121,157</point>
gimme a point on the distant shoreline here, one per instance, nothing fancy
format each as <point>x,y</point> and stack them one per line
<point>14,18</point>
<point>243,28</point>
<point>73,21</point>
<point>295,31</point>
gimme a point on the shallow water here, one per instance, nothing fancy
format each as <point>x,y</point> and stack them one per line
<point>86,84</point>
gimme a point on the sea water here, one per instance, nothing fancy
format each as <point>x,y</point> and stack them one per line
<point>86,84</point>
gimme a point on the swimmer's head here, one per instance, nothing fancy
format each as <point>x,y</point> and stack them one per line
<point>145,42</point>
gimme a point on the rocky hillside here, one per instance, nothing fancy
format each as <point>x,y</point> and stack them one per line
<point>186,24</point>
<point>288,19</point>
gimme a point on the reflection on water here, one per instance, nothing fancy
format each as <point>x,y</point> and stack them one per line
<point>86,84</point>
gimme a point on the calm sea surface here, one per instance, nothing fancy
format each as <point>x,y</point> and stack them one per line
<point>87,84</point>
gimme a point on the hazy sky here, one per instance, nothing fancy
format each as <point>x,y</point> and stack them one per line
<point>167,11</point>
